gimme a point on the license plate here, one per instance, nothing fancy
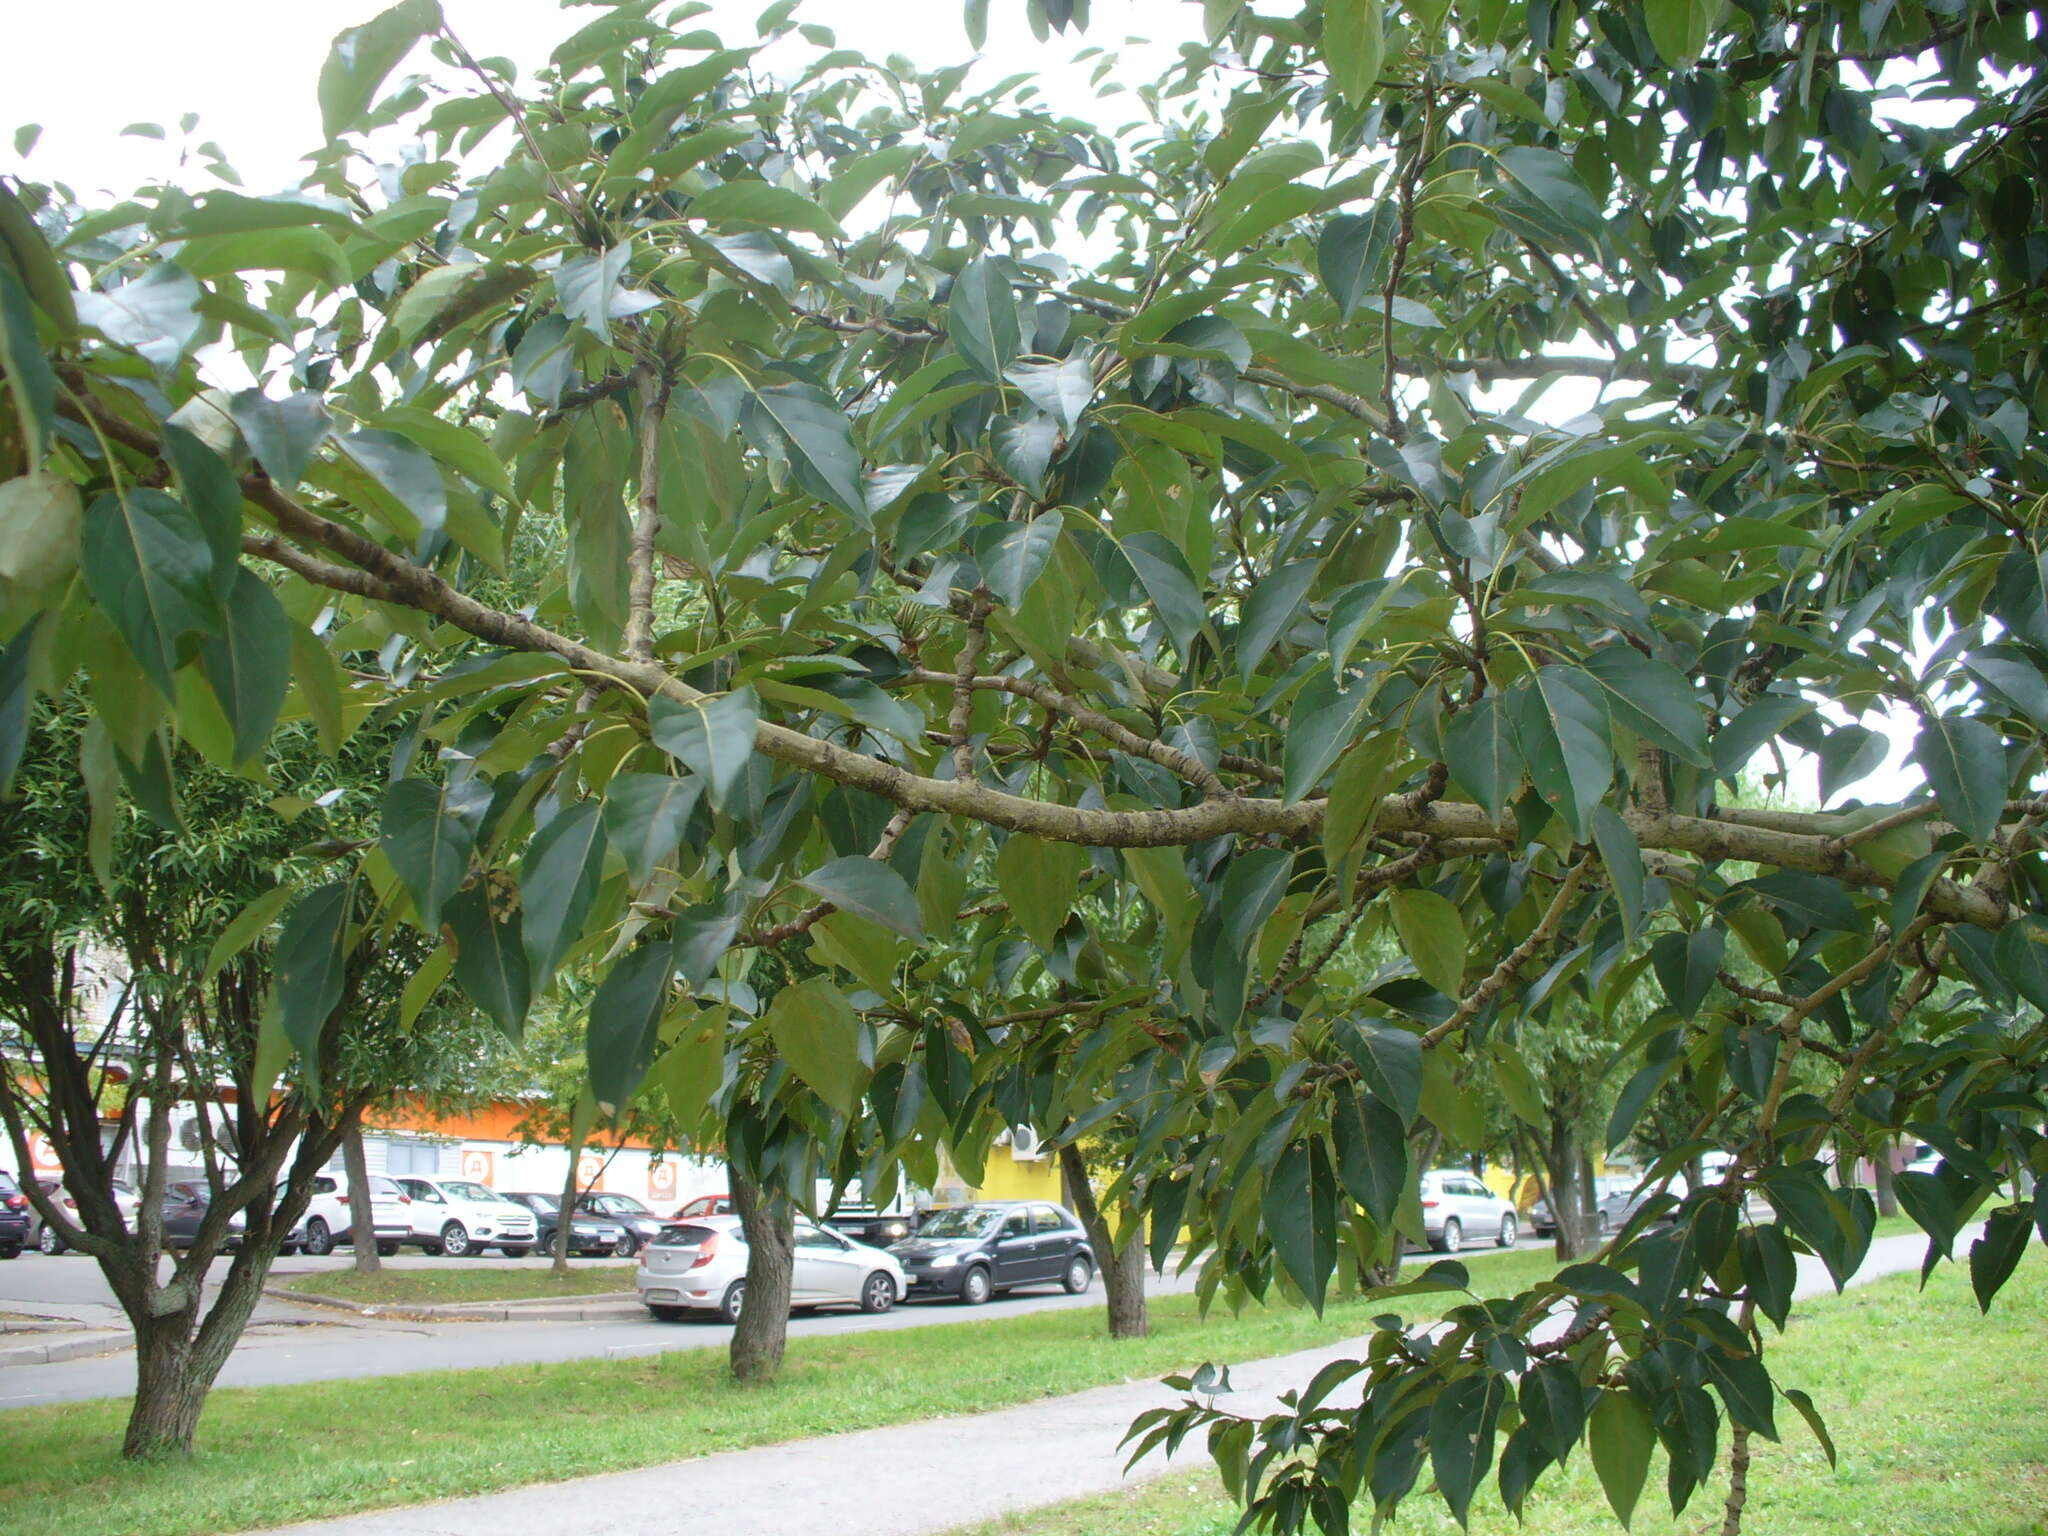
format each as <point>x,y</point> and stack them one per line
<point>664,1295</point>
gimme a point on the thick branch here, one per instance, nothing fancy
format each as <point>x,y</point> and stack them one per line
<point>639,636</point>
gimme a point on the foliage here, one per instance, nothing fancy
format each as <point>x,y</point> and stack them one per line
<point>962,521</point>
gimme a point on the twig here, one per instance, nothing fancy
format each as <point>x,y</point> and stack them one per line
<point>962,714</point>
<point>1496,980</point>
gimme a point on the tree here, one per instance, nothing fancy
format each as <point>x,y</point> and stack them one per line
<point>934,486</point>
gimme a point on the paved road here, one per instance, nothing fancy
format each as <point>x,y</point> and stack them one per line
<point>1020,1458</point>
<point>287,1343</point>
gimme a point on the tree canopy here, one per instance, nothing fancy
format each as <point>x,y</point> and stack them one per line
<point>957,614</point>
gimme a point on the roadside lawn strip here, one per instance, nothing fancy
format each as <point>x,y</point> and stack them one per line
<point>396,1287</point>
<point>272,1455</point>
<point>1936,1412</point>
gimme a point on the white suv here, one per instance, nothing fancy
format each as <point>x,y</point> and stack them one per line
<point>329,1222</point>
<point>1457,1207</point>
<point>458,1217</point>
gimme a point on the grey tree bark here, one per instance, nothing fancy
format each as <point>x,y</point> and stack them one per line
<point>362,1213</point>
<point>564,1215</point>
<point>1123,1273</point>
<point>762,1333</point>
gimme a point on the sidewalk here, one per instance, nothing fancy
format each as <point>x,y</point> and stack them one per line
<point>981,1467</point>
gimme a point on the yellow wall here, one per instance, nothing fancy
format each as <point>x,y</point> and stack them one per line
<point>1011,1178</point>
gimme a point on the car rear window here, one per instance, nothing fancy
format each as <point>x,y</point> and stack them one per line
<point>683,1236</point>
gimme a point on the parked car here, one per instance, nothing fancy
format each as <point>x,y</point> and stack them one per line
<point>457,1217</point>
<point>184,1208</point>
<point>702,1265</point>
<point>330,1223</point>
<point>866,1223</point>
<point>972,1252</point>
<point>1543,1224</point>
<point>642,1225</point>
<point>16,1216</point>
<point>702,1206</point>
<point>589,1235</point>
<point>48,1240</point>
<point>1456,1206</point>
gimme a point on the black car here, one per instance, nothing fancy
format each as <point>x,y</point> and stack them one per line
<point>589,1234</point>
<point>184,1208</point>
<point>16,1218</point>
<point>973,1251</point>
<point>642,1225</point>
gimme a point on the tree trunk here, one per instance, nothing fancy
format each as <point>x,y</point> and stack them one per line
<point>169,1390</point>
<point>565,1215</point>
<point>362,1212</point>
<point>1123,1273</point>
<point>1881,1175</point>
<point>763,1329</point>
<point>1567,1172</point>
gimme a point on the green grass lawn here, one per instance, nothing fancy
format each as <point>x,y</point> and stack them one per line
<point>394,1287</point>
<point>271,1455</point>
<point>1940,1421</point>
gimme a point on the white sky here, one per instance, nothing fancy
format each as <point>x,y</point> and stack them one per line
<point>86,70</point>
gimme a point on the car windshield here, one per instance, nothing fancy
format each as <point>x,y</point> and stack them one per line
<point>961,1221</point>
<point>619,1205</point>
<point>539,1202</point>
<point>462,1189</point>
<point>683,1237</point>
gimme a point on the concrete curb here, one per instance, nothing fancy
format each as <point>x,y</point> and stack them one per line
<point>65,1349</point>
<point>540,1309</point>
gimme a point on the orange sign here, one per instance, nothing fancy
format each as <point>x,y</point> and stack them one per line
<point>590,1171</point>
<point>661,1181</point>
<point>476,1166</point>
<point>43,1156</point>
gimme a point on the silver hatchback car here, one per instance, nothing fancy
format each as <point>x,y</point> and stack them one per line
<point>1457,1209</point>
<point>702,1265</point>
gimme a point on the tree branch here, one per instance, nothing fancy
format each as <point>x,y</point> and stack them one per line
<point>639,635</point>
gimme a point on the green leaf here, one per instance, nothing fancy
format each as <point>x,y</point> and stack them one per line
<point>1561,724</point>
<point>2022,955</point>
<point>15,696</point>
<point>1995,1255</point>
<point>30,380</point>
<point>1622,856</point>
<point>403,470</point>
<point>1020,556</point>
<point>40,522</point>
<point>713,737</point>
<point>1687,965</point>
<point>816,1031</point>
<point>1061,389</point>
<point>215,499</point>
<point>362,56</point>
<point>644,817</point>
<point>1481,751</point>
<point>282,434</point>
<point>1554,1407</point>
<point>869,888</point>
<point>1432,933</point>
<point>246,927</point>
<point>312,966</point>
<point>249,662</point>
<point>1390,1061</point>
<point>1653,699</point>
<point>453,444</point>
<point>490,957</point>
<point>760,202</point>
<point>1965,764</point>
<point>1301,1218</point>
<point>1372,1152</point>
<point>428,844</point>
<point>421,986</point>
<point>1679,29</point>
<point>1023,450</point>
<point>157,313</point>
<point>558,882</point>
<point>818,439</point>
<point>1620,1440</point>
<point>1745,1386</point>
<point>1462,1423</point>
<point>1553,194</point>
<point>1039,879</point>
<point>1354,46</point>
<point>1814,1422</point>
<point>1737,741</point>
<point>1269,611</point>
<point>981,319</point>
<point>1352,255</point>
<point>625,1023</point>
<point>691,1070</point>
<point>1163,571</point>
<point>585,286</point>
<point>149,567</point>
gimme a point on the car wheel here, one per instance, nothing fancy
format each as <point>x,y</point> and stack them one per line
<point>627,1245</point>
<point>319,1241</point>
<point>1507,1231</point>
<point>11,1251</point>
<point>516,1250</point>
<point>387,1250</point>
<point>668,1314</point>
<point>1606,1224</point>
<point>287,1250</point>
<point>733,1302</point>
<point>877,1293</point>
<point>455,1240</point>
<point>49,1242</point>
<point>1453,1237</point>
<point>1079,1273</point>
<point>976,1287</point>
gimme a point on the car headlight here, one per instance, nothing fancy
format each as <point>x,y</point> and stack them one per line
<point>945,1261</point>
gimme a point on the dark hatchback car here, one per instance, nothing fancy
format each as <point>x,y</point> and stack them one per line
<point>17,1218</point>
<point>971,1252</point>
<point>589,1234</point>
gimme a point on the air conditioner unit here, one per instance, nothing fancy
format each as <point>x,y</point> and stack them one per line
<point>1025,1145</point>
